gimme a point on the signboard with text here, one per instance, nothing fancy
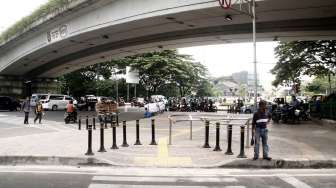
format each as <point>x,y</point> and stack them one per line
<point>132,76</point>
<point>57,33</point>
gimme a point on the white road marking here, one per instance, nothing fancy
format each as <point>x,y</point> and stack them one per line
<point>163,179</point>
<point>142,186</point>
<point>100,172</point>
<point>295,182</point>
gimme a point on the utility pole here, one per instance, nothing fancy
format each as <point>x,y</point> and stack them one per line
<point>255,54</point>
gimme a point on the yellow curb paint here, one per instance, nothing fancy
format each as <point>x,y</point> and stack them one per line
<point>163,158</point>
<point>163,148</point>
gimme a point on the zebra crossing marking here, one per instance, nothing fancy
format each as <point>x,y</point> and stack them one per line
<point>294,182</point>
<point>163,179</point>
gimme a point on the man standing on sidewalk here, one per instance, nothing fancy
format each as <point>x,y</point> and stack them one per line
<point>26,109</point>
<point>259,127</point>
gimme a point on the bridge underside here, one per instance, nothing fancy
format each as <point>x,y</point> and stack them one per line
<point>206,25</point>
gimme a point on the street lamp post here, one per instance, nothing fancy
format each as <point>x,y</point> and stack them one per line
<point>227,4</point>
<point>255,54</point>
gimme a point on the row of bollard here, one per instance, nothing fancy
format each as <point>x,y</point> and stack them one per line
<point>114,134</point>
<point>93,122</point>
<point>229,138</point>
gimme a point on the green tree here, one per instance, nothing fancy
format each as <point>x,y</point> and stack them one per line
<point>205,89</point>
<point>156,69</point>
<point>165,72</point>
<point>298,58</point>
<point>321,85</point>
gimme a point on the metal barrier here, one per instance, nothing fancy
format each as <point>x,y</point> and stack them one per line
<point>223,119</point>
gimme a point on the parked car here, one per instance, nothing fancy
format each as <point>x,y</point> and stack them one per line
<point>88,102</point>
<point>36,97</point>
<point>55,102</point>
<point>9,103</point>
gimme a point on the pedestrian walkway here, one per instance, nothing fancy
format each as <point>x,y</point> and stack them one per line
<point>304,142</point>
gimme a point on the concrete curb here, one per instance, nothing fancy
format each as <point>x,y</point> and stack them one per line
<point>325,122</point>
<point>53,160</point>
<point>93,162</point>
<point>280,164</point>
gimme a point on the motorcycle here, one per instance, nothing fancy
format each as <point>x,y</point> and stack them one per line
<point>276,113</point>
<point>70,117</point>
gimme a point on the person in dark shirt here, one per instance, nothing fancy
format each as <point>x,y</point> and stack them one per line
<point>26,109</point>
<point>259,127</point>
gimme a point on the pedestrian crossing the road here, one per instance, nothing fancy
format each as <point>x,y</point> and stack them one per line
<point>14,122</point>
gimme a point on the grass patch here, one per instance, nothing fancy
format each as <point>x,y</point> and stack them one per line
<point>20,26</point>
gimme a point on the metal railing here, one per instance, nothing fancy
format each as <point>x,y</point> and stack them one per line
<point>224,119</point>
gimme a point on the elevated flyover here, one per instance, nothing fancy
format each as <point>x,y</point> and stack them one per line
<point>103,29</point>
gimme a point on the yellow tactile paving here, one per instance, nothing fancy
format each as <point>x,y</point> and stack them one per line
<point>163,158</point>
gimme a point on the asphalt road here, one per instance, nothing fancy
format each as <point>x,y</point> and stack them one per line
<point>66,177</point>
<point>11,123</point>
<point>126,113</point>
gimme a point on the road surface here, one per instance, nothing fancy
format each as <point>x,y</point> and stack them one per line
<point>70,177</point>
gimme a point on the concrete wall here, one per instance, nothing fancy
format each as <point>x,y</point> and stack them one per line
<point>16,86</point>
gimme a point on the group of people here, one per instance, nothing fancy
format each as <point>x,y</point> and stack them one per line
<point>38,110</point>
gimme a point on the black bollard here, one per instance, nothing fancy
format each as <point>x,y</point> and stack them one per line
<point>114,135</point>
<point>229,140</point>
<point>79,123</point>
<point>117,118</point>
<point>124,144</point>
<point>89,151</point>
<point>217,147</point>
<point>94,123</point>
<point>153,133</point>
<point>242,142</point>
<point>112,120</point>
<point>206,143</point>
<point>102,148</point>
<point>87,122</point>
<point>137,142</point>
<point>105,121</point>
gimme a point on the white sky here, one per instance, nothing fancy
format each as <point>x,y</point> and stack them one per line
<point>13,10</point>
<point>223,60</point>
<point>220,59</point>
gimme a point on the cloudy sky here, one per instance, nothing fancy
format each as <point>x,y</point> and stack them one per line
<point>220,59</point>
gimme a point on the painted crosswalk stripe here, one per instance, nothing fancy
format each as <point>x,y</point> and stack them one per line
<point>144,186</point>
<point>295,182</point>
<point>163,179</point>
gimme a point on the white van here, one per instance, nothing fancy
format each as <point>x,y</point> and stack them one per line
<point>55,101</point>
<point>36,97</point>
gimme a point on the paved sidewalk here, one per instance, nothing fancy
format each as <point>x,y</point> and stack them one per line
<point>304,144</point>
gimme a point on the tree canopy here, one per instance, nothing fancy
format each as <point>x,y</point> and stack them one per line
<point>165,72</point>
<point>299,58</point>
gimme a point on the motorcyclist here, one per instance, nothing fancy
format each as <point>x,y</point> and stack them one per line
<point>70,110</point>
<point>293,105</point>
<point>295,102</point>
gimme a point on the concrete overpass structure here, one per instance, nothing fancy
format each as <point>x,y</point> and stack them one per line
<point>91,31</point>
